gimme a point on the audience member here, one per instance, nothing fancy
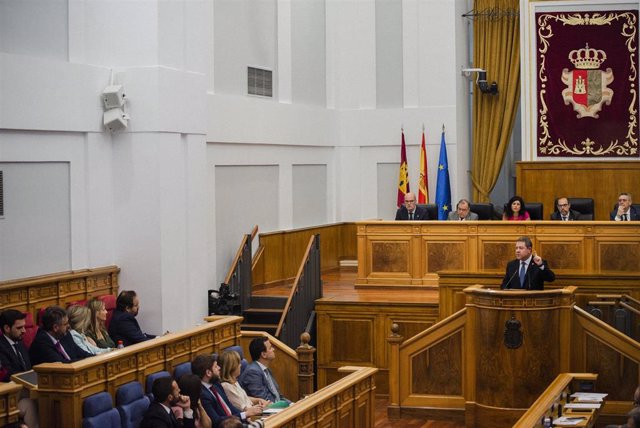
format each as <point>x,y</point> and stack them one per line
<point>190,385</point>
<point>515,210</point>
<point>14,358</point>
<point>79,319</point>
<point>123,325</point>
<point>564,212</point>
<point>230,370</point>
<point>52,343</point>
<point>166,393</point>
<point>410,211</point>
<point>528,271</point>
<point>97,329</point>
<point>624,210</point>
<point>463,212</point>
<point>634,418</point>
<point>232,422</point>
<point>257,379</point>
<point>214,400</point>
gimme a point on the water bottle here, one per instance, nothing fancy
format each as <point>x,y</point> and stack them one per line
<point>120,344</point>
<point>546,422</point>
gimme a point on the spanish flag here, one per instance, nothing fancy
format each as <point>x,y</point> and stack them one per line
<point>423,183</point>
<point>403,180</point>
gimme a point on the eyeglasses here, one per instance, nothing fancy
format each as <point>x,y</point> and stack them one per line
<point>563,205</point>
<point>623,200</point>
<point>408,201</point>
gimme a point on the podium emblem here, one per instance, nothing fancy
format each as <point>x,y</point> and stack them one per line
<point>512,334</point>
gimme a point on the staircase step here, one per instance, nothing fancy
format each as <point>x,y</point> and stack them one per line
<point>267,302</point>
<point>269,328</point>
<point>262,315</point>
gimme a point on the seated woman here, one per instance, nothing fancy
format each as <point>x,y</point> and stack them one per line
<point>230,367</point>
<point>97,329</point>
<point>79,320</point>
<point>190,385</point>
<point>515,210</point>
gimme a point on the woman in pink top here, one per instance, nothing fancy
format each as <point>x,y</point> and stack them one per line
<point>515,210</point>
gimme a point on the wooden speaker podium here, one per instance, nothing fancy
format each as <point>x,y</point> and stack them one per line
<point>516,343</point>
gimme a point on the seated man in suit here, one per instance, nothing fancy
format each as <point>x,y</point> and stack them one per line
<point>166,393</point>
<point>14,358</point>
<point>124,325</point>
<point>410,211</point>
<point>624,212</point>
<point>463,212</point>
<point>52,343</point>
<point>564,213</point>
<point>528,271</point>
<point>257,379</point>
<point>212,396</point>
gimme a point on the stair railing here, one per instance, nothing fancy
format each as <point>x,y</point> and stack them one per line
<point>239,276</point>
<point>620,311</point>
<point>307,287</point>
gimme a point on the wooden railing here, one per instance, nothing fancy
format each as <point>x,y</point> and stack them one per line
<point>9,395</point>
<point>307,288</point>
<point>551,401</point>
<point>238,278</point>
<point>63,387</point>
<point>348,402</point>
<point>620,311</point>
<point>33,293</point>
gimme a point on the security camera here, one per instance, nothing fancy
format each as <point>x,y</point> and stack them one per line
<point>113,96</point>
<point>115,119</point>
<point>481,80</point>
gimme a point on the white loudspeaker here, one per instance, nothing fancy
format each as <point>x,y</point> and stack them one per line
<point>113,96</point>
<point>115,119</point>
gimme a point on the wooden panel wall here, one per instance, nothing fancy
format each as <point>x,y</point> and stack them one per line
<point>356,334</point>
<point>281,252</point>
<point>411,253</point>
<point>602,181</point>
<point>31,294</point>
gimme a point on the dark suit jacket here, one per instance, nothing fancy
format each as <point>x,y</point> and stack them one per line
<point>420,213</point>
<point>125,327</point>
<point>633,214</point>
<point>10,361</point>
<point>157,417</point>
<point>573,215</point>
<point>213,408</point>
<point>254,382</point>
<point>44,351</point>
<point>534,277</point>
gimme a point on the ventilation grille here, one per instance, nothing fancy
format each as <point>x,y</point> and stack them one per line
<point>1,195</point>
<point>260,82</point>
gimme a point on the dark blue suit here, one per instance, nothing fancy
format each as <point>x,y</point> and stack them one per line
<point>125,327</point>
<point>157,417</point>
<point>254,382</point>
<point>534,276</point>
<point>10,361</point>
<point>213,407</point>
<point>420,213</point>
<point>43,350</point>
<point>633,214</point>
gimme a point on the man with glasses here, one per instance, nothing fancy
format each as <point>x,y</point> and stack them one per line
<point>463,212</point>
<point>624,211</point>
<point>410,211</point>
<point>564,212</point>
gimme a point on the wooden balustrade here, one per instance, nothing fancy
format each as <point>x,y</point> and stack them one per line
<point>348,402</point>
<point>33,293</point>
<point>63,387</point>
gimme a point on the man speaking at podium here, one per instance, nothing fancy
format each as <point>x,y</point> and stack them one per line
<point>528,271</point>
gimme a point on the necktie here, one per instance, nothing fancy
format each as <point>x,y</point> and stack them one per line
<point>410,216</point>
<point>224,406</point>
<point>565,218</point>
<point>624,217</point>
<point>61,350</point>
<point>523,271</point>
<point>22,364</point>
<point>272,386</point>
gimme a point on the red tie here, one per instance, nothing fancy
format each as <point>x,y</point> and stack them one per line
<point>224,406</point>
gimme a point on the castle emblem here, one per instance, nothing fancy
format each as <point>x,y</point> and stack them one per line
<point>587,85</point>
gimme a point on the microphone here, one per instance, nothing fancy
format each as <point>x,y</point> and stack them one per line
<point>509,281</point>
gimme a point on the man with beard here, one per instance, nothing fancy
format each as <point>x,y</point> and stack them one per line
<point>52,344</point>
<point>166,393</point>
<point>123,325</point>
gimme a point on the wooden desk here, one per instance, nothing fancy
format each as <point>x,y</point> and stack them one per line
<point>9,396</point>
<point>410,253</point>
<point>63,387</point>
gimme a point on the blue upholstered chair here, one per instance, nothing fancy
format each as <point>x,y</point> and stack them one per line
<point>131,403</point>
<point>243,362</point>
<point>151,378</point>
<point>98,412</point>
<point>181,370</point>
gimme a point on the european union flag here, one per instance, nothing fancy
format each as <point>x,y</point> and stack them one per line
<point>443,186</point>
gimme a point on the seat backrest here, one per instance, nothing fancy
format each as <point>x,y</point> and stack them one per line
<point>39,317</point>
<point>483,209</point>
<point>131,404</point>
<point>77,303</point>
<point>98,412</point>
<point>110,305</point>
<point>243,362</point>
<point>151,378</point>
<point>30,330</point>
<point>432,210</point>
<point>181,370</point>
<point>535,210</point>
<point>584,206</point>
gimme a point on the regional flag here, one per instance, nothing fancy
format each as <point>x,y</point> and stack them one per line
<point>443,186</point>
<point>403,180</point>
<point>423,183</point>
